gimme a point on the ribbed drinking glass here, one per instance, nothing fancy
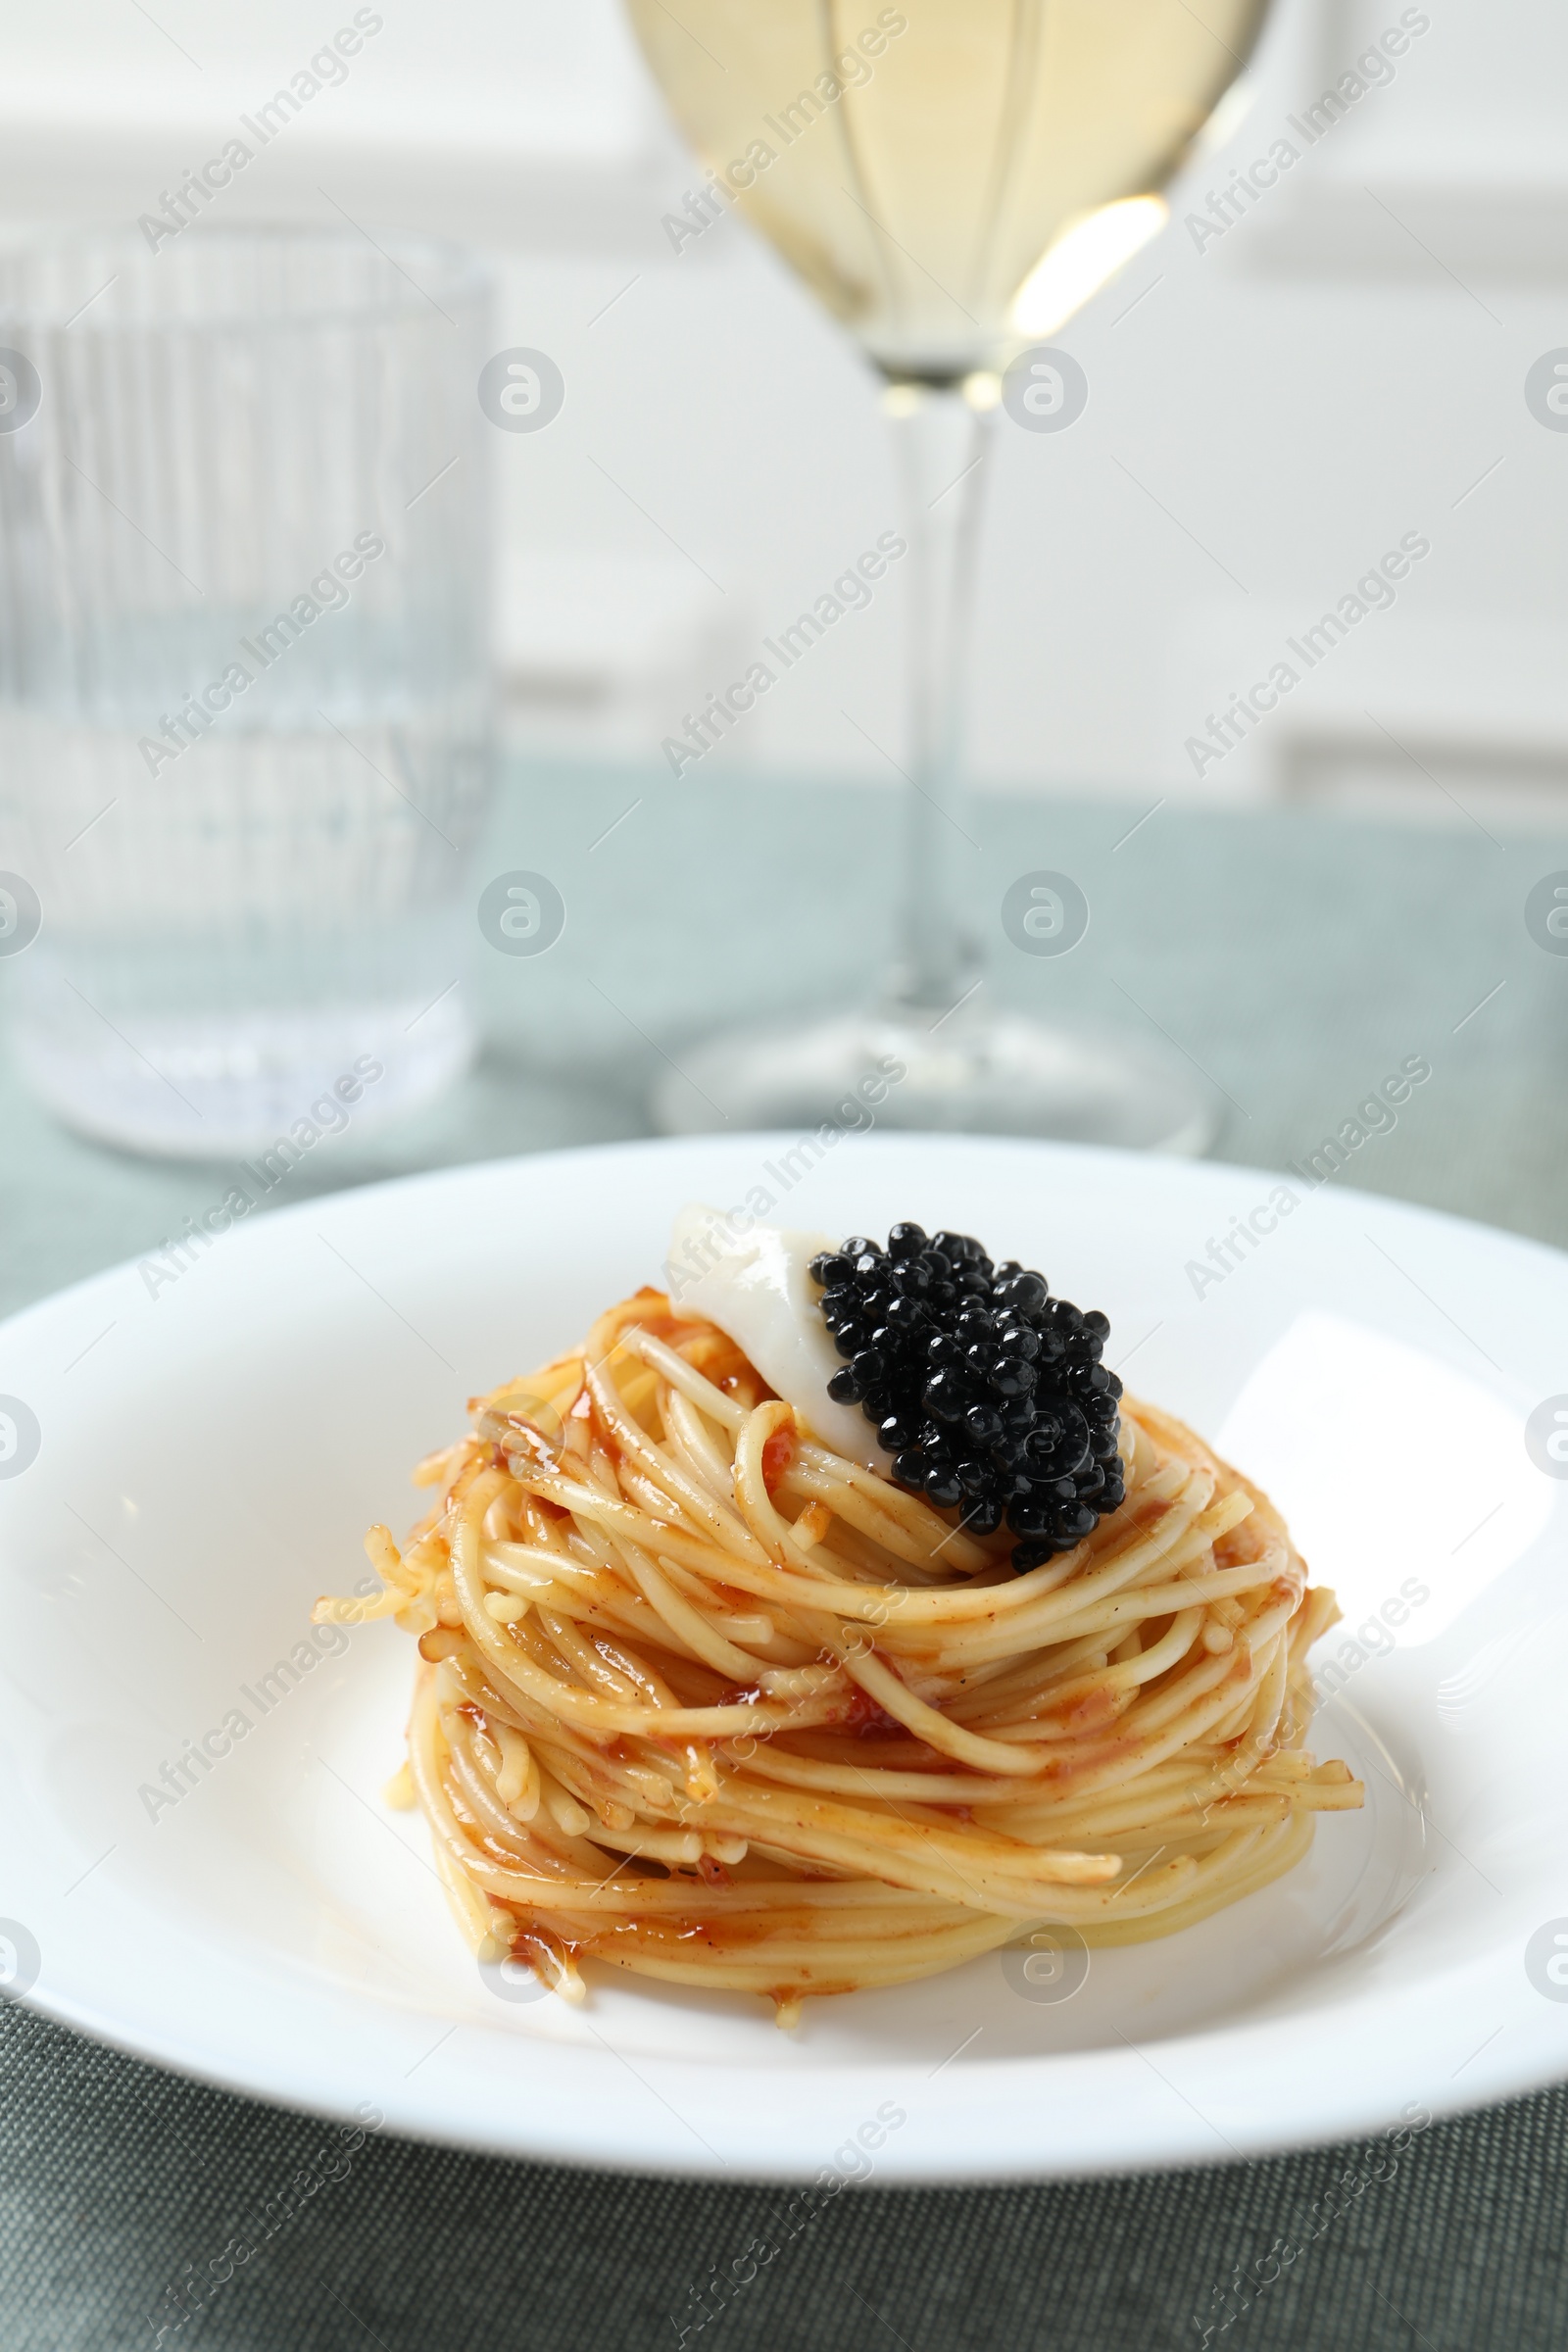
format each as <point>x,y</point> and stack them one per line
<point>243,675</point>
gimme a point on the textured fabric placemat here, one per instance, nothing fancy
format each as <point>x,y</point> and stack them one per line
<point>119,2183</point>
<point>1293,959</point>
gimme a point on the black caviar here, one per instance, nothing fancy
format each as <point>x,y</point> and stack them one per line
<point>988,1393</point>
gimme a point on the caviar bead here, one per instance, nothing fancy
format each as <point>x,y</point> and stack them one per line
<point>1098,1323</point>
<point>945,1395</point>
<point>843,1388</point>
<point>906,1241</point>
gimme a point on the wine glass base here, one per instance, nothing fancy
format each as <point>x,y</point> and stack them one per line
<point>1002,1076</point>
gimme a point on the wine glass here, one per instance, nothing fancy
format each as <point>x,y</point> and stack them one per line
<point>953,178</point>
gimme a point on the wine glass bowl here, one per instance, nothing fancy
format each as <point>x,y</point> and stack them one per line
<point>916,166</point>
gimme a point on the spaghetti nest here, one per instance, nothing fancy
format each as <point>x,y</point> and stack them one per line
<point>705,1699</point>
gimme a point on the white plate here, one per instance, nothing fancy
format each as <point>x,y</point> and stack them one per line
<point>211,1455</point>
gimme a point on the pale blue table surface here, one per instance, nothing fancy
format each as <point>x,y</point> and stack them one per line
<point>1295,956</point>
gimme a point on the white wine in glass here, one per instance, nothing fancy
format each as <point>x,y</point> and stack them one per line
<point>952,179</point>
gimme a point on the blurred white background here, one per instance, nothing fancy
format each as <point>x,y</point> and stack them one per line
<point>1267,414</point>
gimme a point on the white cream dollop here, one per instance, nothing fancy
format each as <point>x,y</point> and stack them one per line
<point>754,1286</point>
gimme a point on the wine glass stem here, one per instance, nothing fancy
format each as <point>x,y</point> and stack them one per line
<point>941,443</point>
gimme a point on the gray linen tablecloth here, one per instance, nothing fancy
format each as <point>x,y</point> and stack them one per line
<point>1294,957</point>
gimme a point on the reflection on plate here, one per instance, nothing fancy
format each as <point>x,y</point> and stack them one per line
<point>198,1866</point>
